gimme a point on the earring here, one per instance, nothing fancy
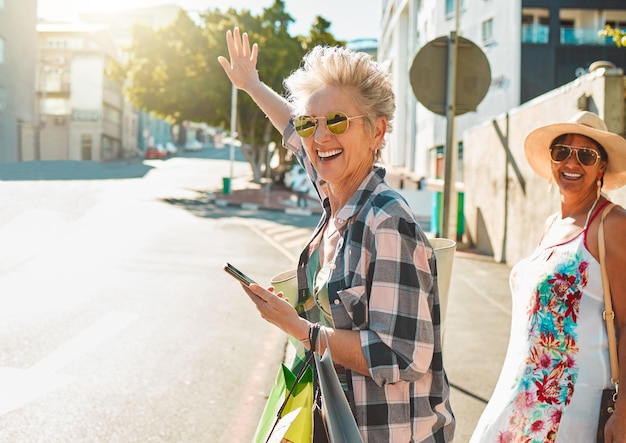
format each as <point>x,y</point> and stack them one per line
<point>599,185</point>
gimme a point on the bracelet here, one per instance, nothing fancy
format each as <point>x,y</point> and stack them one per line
<point>313,333</point>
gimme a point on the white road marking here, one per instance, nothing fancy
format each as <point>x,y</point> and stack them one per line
<point>274,243</point>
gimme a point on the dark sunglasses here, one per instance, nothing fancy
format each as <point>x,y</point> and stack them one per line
<point>586,156</point>
<point>336,122</point>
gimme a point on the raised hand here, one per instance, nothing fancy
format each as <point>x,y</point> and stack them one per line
<point>241,69</point>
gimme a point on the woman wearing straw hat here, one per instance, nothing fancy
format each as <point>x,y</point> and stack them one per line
<point>557,363</point>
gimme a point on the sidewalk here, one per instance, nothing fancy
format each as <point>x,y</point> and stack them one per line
<point>271,197</point>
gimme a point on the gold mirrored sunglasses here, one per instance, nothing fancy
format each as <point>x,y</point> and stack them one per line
<point>336,122</point>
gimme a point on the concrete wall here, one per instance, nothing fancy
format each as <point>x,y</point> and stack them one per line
<point>17,76</point>
<point>506,203</point>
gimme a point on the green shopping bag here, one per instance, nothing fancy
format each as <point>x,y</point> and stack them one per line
<point>288,412</point>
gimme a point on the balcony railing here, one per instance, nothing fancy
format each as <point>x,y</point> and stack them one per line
<point>538,34</point>
<point>584,36</point>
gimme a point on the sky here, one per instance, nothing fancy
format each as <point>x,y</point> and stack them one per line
<point>351,19</point>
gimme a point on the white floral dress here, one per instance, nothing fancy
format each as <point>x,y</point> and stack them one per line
<point>557,363</point>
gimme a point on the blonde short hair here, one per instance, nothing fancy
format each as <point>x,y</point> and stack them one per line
<point>348,69</point>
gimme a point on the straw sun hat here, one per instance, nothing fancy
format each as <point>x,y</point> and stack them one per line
<point>537,147</point>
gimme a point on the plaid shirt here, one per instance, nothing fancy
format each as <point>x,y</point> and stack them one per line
<point>384,285</point>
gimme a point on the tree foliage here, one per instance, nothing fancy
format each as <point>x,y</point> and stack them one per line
<point>619,35</point>
<point>168,70</point>
<point>173,71</point>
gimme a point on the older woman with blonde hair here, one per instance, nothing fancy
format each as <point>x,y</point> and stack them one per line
<point>368,275</point>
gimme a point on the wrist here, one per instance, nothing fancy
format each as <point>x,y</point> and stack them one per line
<point>254,87</point>
<point>303,333</point>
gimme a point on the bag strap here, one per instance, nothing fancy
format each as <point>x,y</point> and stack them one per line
<point>608,313</point>
<point>308,361</point>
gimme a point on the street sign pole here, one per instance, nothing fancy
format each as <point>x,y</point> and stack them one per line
<point>460,62</point>
<point>233,129</point>
<point>450,153</point>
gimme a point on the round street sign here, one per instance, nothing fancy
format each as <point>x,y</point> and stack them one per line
<point>428,75</point>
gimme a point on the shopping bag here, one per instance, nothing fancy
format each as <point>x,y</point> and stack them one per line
<point>444,249</point>
<point>288,410</point>
<point>340,423</point>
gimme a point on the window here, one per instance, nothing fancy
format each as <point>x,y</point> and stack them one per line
<point>3,99</point>
<point>487,31</point>
<point>569,34</point>
<point>64,43</point>
<point>112,115</point>
<point>55,106</point>
<point>85,146</point>
<point>53,79</point>
<point>1,49</point>
<point>451,6</point>
<point>535,25</point>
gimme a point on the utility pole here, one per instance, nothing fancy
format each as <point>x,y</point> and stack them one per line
<point>451,151</point>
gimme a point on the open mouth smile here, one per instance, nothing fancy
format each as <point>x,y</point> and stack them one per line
<point>571,176</point>
<point>329,155</point>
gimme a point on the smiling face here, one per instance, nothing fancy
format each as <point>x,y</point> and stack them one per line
<point>342,160</point>
<point>573,177</point>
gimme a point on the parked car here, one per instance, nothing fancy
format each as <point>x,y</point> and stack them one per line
<point>291,174</point>
<point>171,148</point>
<point>156,152</point>
<point>193,145</point>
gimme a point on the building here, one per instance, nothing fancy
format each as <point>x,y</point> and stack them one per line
<point>151,130</point>
<point>82,111</point>
<point>367,45</point>
<point>533,46</point>
<point>18,56</point>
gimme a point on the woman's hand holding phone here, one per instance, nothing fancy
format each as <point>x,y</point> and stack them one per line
<point>272,307</point>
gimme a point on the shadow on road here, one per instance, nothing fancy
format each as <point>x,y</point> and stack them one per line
<point>202,207</point>
<point>72,170</point>
<point>92,170</point>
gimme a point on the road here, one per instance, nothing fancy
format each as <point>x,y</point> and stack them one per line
<point>117,323</point>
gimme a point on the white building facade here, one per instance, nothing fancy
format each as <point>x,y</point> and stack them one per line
<point>82,112</point>
<point>18,55</point>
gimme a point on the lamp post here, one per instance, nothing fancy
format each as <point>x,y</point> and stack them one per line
<point>233,131</point>
<point>233,117</point>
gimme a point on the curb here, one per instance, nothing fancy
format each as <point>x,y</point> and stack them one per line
<point>223,202</point>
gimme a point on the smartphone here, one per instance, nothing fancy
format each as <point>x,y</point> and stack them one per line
<point>243,278</point>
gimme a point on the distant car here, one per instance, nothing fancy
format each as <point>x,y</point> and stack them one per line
<point>231,141</point>
<point>291,174</point>
<point>193,145</point>
<point>171,148</point>
<point>156,152</point>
